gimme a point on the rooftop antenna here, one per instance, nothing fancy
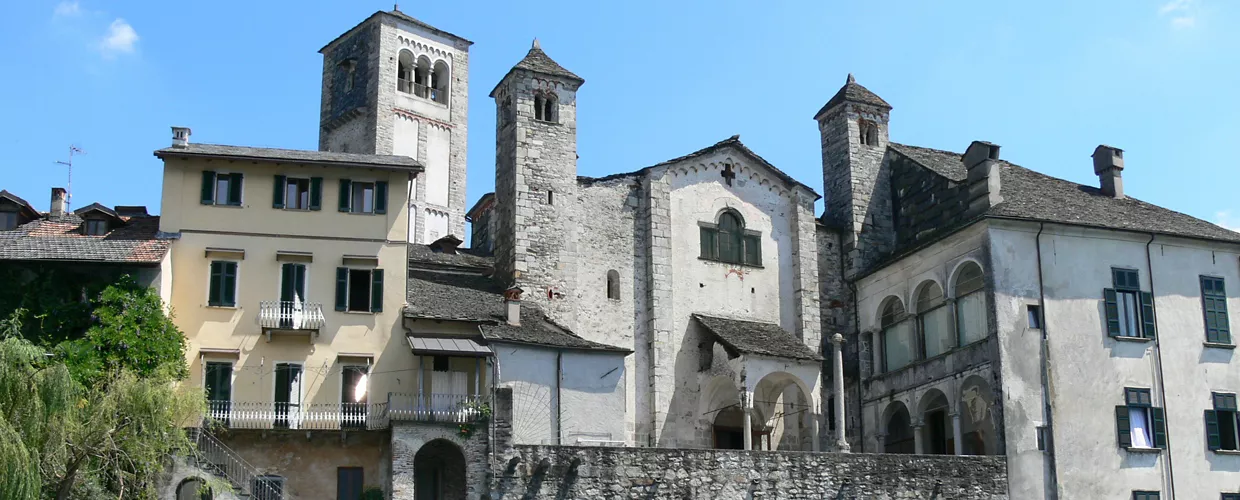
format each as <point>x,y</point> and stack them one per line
<point>69,190</point>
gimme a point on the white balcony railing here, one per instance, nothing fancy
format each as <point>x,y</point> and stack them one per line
<point>290,315</point>
<point>340,416</point>
<point>450,408</point>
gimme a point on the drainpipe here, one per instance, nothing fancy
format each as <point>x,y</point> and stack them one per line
<point>1162,381</point>
<point>559,398</point>
<point>1047,415</point>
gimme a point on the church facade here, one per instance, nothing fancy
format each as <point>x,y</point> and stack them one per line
<point>989,330</point>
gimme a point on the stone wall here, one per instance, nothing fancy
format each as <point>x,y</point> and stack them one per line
<point>856,178</point>
<point>838,316</point>
<point>651,473</point>
<point>926,202</point>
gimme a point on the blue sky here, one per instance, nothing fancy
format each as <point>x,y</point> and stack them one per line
<point>1047,80</point>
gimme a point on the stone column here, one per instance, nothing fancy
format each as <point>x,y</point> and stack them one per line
<point>747,406</point>
<point>919,443</point>
<point>958,442</point>
<point>880,442</point>
<point>837,366</point>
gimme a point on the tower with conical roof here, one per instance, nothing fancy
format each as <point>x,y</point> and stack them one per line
<point>536,180</point>
<point>396,85</point>
<point>853,129</point>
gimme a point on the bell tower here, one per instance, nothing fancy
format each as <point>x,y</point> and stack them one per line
<point>394,85</point>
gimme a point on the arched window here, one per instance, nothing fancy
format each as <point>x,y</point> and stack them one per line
<point>728,241</point>
<point>613,285</point>
<point>899,438</point>
<point>422,77</point>
<point>868,134</point>
<point>970,304</point>
<point>439,82</point>
<point>897,335</point>
<point>545,108</point>
<point>404,72</point>
<point>934,321</point>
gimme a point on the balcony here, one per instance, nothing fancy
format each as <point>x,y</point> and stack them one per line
<point>443,408</point>
<point>290,316</point>
<point>448,408</point>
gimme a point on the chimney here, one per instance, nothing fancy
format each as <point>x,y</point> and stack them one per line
<point>1109,165</point>
<point>512,299</point>
<point>59,202</point>
<point>180,137</point>
<point>981,161</point>
<point>446,244</point>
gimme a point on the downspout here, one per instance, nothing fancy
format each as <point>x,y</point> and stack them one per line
<point>1162,381</point>
<point>559,398</point>
<point>1047,415</point>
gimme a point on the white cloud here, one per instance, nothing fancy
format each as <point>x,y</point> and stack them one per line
<point>1174,5</point>
<point>120,38</point>
<point>1184,22</point>
<point>1228,220</point>
<point>67,9</point>
<point>1181,12</point>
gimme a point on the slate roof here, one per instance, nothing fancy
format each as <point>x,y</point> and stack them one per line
<point>755,337</point>
<point>22,204</point>
<point>399,15</point>
<point>60,238</point>
<point>475,298</point>
<point>853,92</point>
<point>1035,196</point>
<point>386,162</point>
<point>733,142</point>
<point>464,258</point>
<point>539,62</point>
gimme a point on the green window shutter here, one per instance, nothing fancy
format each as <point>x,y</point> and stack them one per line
<point>345,185</point>
<point>234,188</point>
<point>1123,427</point>
<point>753,250</point>
<point>229,296</point>
<point>708,236</point>
<point>381,192</point>
<point>208,187</point>
<point>1213,441</point>
<point>316,193</point>
<point>1111,304</point>
<point>287,277</point>
<point>376,290</point>
<point>277,193</point>
<point>1147,315</point>
<point>217,284</point>
<point>342,288</point>
<point>299,279</point>
<point>1159,424</point>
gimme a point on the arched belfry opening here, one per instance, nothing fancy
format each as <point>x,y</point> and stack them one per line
<point>439,471</point>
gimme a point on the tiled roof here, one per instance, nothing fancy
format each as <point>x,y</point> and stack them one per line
<point>475,298</point>
<point>853,92</point>
<point>389,162</point>
<point>61,238</point>
<point>1034,196</point>
<point>755,337</point>
<point>21,203</point>
<point>733,142</point>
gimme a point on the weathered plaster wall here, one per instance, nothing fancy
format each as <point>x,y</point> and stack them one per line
<point>308,461</point>
<point>583,400</point>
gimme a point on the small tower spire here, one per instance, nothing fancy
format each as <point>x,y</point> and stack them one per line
<point>536,45</point>
<point>395,7</point>
<point>851,79</point>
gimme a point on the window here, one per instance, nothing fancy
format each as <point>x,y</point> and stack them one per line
<point>1214,303</point>
<point>95,227</point>
<point>363,197</point>
<point>440,77</point>
<point>219,386</point>
<point>545,108</point>
<point>1230,496</point>
<point>1138,423</point>
<point>868,134</point>
<point>831,413</point>
<point>422,78</point>
<point>1145,495</point>
<point>1035,317</point>
<point>1044,438</point>
<point>267,488</point>
<point>728,241</point>
<point>297,194</point>
<point>897,336</point>
<point>1222,431</point>
<point>404,72</point>
<point>550,197</point>
<point>439,363</point>
<point>221,188</point>
<point>359,290</point>
<point>287,395</point>
<point>348,483</point>
<point>354,384</point>
<point>934,321</point>
<point>613,285</point>
<point>970,304</point>
<point>1129,311</point>
<point>223,292</point>
<point>8,221</point>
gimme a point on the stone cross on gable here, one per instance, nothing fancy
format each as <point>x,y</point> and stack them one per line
<point>728,174</point>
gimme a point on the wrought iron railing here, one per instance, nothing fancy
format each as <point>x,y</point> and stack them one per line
<point>451,408</point>
<point>268,415</point>
<point>290,315</point>
<point>213,456</point>
<point>428,92</point>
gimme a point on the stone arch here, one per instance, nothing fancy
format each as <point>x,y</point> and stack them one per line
<point>613,284</point>
<point>897,429</point>
<point>977,423</point>
<point>721,414</point>
<point>192,488</point>
<point>422,76</point>
<point>954,275</point>
<point>968,291</point>
<point>404,71</point>
<point>787,403</point>
<point>890,310</point>
<point>441,80</point>
<point>934,319</point>
<point>934,410</point>
<point>439,471</point>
